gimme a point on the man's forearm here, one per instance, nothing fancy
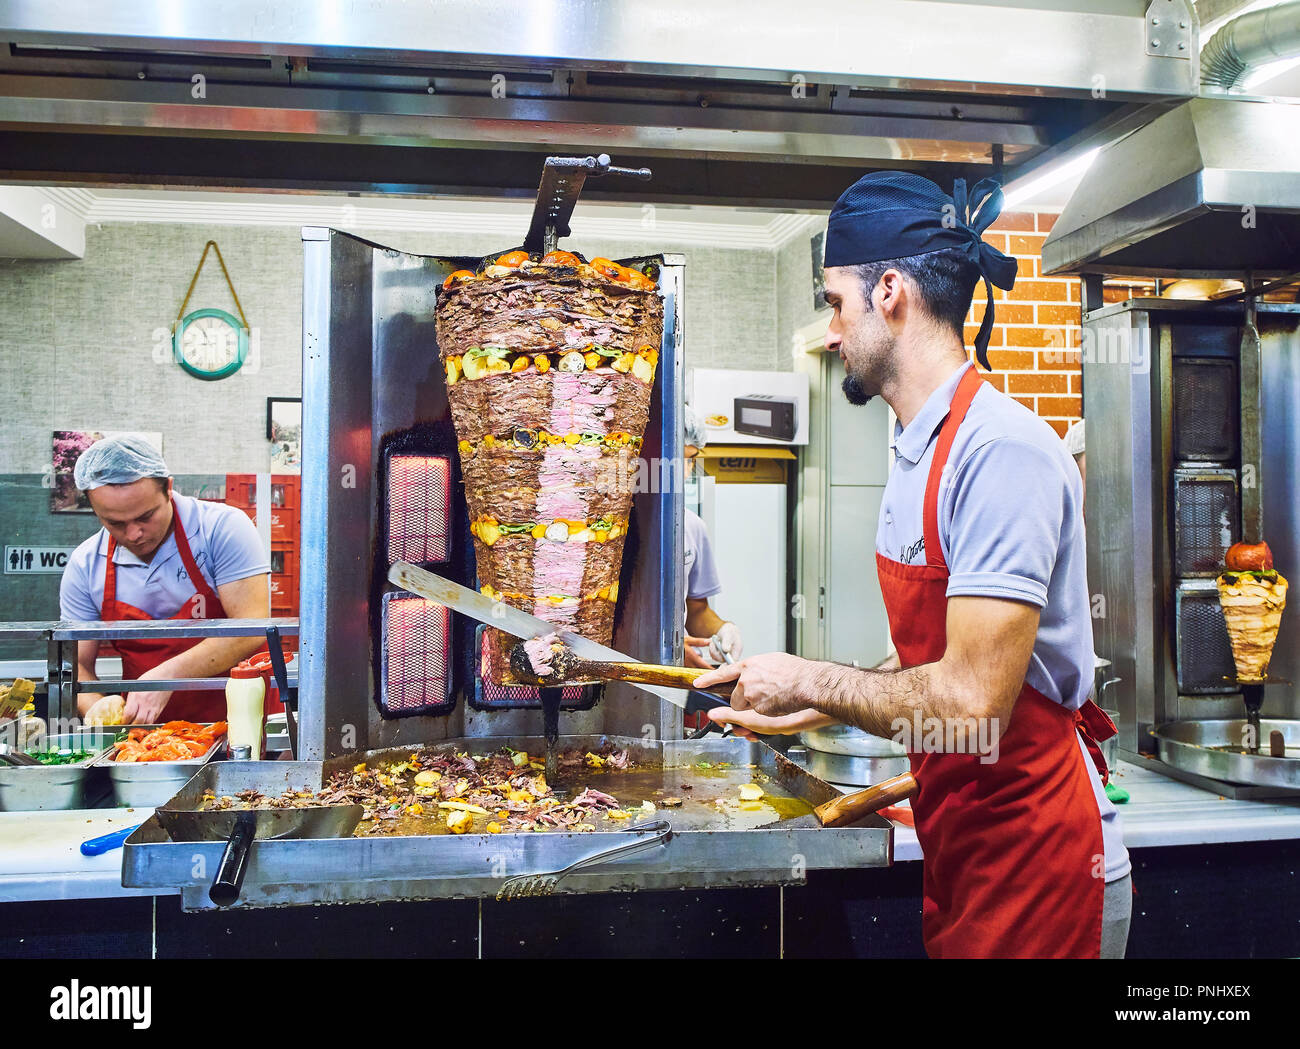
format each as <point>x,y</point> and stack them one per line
<point>873,699</point>
<point>703,622</point>
<point>86,700</point>
<point>211,657</point>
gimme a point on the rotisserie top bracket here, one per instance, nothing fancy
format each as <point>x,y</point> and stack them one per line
<point>558,192</point>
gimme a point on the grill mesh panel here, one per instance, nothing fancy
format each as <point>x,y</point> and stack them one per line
<point>1205,398</point>
<point>416,642</point>
<point>1206,522</point>
<point>1204,653</point>
<point>419,508</point>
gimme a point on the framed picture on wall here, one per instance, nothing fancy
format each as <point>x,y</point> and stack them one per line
<point>68,446</point>
<point>284,431</point>
<point>818,270</point>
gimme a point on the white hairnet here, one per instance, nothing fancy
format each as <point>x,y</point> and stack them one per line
<point>1074,439</point>
<point>118,460</point>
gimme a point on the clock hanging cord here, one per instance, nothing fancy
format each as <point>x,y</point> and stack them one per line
<point>195,279</point>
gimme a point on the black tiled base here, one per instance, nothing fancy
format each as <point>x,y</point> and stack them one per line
<point>118,928</point>
<point>1239,900</point>
<point>719,923</point>
<point>1221,901</point>
<point>864,913</point>
<point>391,931</point>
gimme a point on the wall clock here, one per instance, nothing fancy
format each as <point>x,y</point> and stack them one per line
<point>210,343</point>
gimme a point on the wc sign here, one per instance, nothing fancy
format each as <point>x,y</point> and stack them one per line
<point>37,560</point>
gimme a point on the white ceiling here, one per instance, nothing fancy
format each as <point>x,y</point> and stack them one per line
<point>716,226</point>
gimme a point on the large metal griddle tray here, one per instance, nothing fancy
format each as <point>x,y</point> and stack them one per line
<point>1204,748</point>
<point>444,866</point>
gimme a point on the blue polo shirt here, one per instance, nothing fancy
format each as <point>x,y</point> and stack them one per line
<point>1011,527</point>
<point>222,539</point>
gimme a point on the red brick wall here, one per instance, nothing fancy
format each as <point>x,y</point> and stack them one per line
<point>1034,344</point>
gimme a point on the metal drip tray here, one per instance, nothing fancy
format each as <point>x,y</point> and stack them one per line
<point>700,854</point>
<point>1212,748</point>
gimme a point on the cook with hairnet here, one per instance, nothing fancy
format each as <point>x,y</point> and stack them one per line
<point>161,555</point>
<point>707,633</point>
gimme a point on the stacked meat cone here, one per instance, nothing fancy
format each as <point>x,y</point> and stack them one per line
<point>549,366</point>
<point>1252,595</point>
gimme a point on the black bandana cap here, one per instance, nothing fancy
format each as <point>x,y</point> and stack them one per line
<point>897,215</point>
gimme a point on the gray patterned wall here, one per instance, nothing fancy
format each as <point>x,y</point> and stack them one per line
<point>84,345</point>
<point>794,298</point>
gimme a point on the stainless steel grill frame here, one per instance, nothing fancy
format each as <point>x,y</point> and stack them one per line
<point>1130,350</point>
<point>373,386</point>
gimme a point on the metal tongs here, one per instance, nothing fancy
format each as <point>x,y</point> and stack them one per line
<point>17,758</point>
<point>522,885</point>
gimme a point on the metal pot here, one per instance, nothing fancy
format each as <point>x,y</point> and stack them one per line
<point>845,739</point>
<point>844,754</point>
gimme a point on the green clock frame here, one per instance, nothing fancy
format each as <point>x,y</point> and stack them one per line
<point>178,341</point>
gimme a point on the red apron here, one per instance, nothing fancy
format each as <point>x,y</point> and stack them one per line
<point>1014,863</point>
<point>145,654</point>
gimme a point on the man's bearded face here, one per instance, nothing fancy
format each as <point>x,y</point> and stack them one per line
<point>858,334</point>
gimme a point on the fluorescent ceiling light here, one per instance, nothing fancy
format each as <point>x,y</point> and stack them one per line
<point>1068,170</point>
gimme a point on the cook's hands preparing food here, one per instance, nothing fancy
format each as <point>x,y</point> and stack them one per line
<point>989,643</point>
<point>750,723</point>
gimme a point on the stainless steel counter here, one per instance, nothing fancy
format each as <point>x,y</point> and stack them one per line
<point>40,857</point>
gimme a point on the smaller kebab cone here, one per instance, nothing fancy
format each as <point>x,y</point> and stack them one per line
<point>1252,609</point>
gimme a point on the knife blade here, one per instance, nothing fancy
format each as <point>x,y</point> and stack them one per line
<point>520,624</point>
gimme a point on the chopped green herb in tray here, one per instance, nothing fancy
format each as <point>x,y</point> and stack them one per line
<point>54,757</point>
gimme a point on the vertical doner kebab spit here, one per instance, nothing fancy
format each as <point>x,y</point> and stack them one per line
<point>1252,594</point>
<point>549,364</point>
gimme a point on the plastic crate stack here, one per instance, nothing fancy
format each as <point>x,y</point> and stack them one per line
<point>241,492</point>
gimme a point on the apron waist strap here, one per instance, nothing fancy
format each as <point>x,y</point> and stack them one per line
<point>1095,725</point>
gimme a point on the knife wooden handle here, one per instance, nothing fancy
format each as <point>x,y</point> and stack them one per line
<point>648,674</point>
<point>852,807</point>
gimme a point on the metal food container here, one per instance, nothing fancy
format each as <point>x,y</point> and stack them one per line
<point>26,788</point>
<point>704,851</point>
<point>844,754</point>
<point>277,734</point>
<point>148,784</point>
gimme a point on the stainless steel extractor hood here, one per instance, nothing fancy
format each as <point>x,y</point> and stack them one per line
<point>1209,189</point>
<point>732,101</point>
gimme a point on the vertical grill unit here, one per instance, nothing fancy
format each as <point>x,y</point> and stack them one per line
<point>379,666</point>
<point>1192,428</point>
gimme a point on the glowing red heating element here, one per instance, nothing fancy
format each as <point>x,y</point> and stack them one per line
<point>417,637</point>
<point>419,508</point>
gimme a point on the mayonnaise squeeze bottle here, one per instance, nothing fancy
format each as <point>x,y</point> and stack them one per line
<point>245,704</point>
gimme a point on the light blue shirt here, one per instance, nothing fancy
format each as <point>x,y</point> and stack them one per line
<point>1011,526</point>
<point>701,569</point>
<point>222,539</point>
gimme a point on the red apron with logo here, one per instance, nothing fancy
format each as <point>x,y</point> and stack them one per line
<point>145,654</point>
<point>1014,863</point>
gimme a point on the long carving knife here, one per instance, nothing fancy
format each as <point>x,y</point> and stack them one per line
<point>520,624</point>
